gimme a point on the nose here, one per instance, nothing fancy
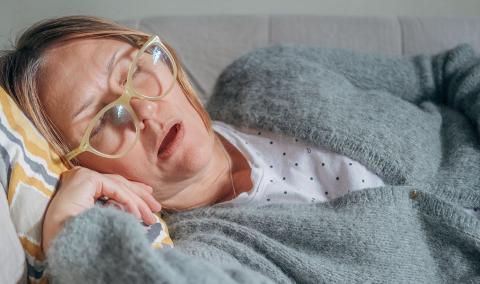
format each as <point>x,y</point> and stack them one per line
<point>144,109</point>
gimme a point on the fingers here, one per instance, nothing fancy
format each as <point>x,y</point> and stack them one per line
<point>145,212</point>
<point>141,190</point>
<point>147,197</point>
<point>146,215</point>
<point>133,196</point>
<point>119,194</point>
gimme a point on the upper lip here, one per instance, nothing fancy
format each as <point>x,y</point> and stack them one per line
<point>168,126</point>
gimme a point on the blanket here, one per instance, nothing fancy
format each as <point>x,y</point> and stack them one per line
<point>414,121</point>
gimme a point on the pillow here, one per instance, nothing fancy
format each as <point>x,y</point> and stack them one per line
<point>29,173</point>
<point>12,257</point>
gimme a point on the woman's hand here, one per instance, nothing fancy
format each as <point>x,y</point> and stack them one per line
<point>79,189</point>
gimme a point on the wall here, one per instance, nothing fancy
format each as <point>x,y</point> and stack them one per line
<point>16,15</point>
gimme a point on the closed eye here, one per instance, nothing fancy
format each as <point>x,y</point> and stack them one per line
<point>99,125</point>
<point>134,75</point>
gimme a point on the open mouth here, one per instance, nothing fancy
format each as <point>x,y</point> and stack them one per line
<point>171,141</point>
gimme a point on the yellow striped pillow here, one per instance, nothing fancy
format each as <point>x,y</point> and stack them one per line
<point>30,170</point>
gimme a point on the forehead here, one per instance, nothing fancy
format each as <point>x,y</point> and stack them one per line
<point>71,59</point>
<point>76,49</point>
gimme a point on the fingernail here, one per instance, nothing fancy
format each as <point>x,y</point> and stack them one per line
<point>158,207</point>
<point>149,220</point>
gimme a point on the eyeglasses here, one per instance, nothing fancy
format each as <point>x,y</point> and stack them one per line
<point>114,130</point>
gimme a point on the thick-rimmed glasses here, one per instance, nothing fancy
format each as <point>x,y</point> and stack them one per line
<point>114,129</point>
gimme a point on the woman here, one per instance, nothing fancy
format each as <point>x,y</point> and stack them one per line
<point>116,104</point>
<point>178,158</point>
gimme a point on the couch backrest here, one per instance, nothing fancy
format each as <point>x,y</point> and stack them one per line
<point>206,44</point>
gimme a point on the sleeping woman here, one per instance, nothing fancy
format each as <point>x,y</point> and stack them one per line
<point>310,165</point>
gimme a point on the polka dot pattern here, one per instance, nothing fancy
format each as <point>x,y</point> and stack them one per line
<point>289,170</point>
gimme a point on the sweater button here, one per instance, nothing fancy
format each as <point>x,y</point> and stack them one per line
<point>413,194</point>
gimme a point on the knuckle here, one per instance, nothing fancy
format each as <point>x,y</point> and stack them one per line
<point>145,205</point>
<point>90,181</point>
<point>147,188</point>
<point>116,195</point>
<point>139,192</point>
<point>80,172</point>
<point>71,175</point>
<point>118,177</point>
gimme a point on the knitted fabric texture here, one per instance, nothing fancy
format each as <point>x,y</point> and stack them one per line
<point>414,121</point>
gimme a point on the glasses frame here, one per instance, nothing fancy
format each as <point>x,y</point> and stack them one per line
<point>124,101</point>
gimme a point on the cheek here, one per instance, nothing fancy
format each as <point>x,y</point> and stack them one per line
<point>198,143</point>
<point>198,146</point>
<point>128,166</point>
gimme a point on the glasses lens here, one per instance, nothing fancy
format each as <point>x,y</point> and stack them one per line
<point>114,132</point>
<point>153,72</point>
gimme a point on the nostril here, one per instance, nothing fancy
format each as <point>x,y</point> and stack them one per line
<point>141,125</point>
<point>152,124</point>
<point>162,125</point>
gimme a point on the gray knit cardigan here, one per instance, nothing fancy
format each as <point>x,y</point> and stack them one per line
<point>414,121</point>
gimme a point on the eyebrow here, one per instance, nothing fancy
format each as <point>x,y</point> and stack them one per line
<point>109,70</point>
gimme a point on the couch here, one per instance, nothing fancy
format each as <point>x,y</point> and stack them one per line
<point>206,44</point>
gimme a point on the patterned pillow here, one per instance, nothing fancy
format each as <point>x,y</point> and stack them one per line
<point>29,172</point>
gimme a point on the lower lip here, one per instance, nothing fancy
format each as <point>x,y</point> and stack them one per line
<point>173,145</point>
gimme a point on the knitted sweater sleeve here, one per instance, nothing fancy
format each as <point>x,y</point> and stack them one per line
<point>114,243</point>
<point>449,78</point>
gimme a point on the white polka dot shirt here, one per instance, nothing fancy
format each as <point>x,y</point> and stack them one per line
<point>285,169</point>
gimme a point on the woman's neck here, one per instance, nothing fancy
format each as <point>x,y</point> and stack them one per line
<point>240,171</point>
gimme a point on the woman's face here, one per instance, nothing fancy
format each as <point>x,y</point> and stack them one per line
<point>77,73</point>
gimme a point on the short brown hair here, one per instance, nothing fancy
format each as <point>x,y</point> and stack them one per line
<point>19,67</point>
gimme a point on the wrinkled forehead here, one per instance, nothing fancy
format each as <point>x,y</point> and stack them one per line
<point>71,65</point>
<point>79,52</point>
